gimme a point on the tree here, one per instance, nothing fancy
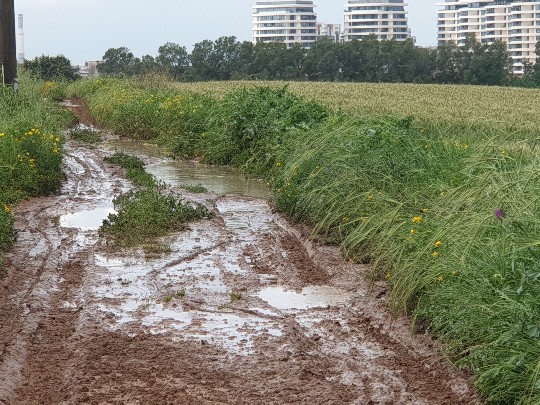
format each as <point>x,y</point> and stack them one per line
<point>536,73</point>
<point>322,61</point>
<point>119,62</point>
<point>52,68</point>
<point>148,64</point>
<point>215,60</point>
<point>174,59</point>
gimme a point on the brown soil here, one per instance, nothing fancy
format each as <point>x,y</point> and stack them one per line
<point>83,325</point>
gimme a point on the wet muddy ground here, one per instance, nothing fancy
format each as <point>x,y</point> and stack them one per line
<point>242,308</point>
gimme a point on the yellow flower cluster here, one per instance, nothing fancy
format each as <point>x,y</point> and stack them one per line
<point>7,208</point>
<point>172,102</point>
<point>417,220</point>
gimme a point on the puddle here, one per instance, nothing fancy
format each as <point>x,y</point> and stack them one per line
<point>217,179</point>
<point>86,220</point>
<point>246,217</point>
<point>310,297</point>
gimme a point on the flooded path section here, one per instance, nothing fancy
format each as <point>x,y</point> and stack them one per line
<point>241,308</point>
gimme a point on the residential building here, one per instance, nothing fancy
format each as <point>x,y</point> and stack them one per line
<point>330,31</point>
<point>90,68</point>
<point>288,21</point>
<point>385,19</point>
<point>516,22</point>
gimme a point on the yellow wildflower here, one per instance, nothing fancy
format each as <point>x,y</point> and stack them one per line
<point>440,278</point>
<point>435,254</point>
<point>417,220</point>
<point>438,243</point>
<point>453,273</point>
<point>7,208</point>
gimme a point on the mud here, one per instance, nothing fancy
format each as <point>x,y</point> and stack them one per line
<point>242,308</point>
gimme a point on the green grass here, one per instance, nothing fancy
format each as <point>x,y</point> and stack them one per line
<point>31,149</point>
<point>135,169</point>
<point>445,206</point>
<point>85,135</point>
<point>146,214</point>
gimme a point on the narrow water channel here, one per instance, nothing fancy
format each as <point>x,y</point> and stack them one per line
<point>216,179</point>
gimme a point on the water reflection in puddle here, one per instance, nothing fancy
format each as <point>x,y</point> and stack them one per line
<point>87,220</point>
<point>219,180</point>
<point>310,297</point>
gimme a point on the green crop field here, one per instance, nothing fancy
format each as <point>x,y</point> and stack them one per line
<point>486,107</point>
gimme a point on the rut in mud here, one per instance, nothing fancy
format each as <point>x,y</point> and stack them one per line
<point>242,309</point>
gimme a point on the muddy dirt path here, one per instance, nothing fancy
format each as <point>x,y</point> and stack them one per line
<point>242,309</point>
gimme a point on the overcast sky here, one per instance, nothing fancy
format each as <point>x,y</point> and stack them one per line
<point>84,29</point>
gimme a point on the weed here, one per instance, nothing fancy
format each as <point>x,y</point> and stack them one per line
<point>167,298</point>
<point>135,169</point>
<point>235,296</point>
<point>85,135</point>
<point>146,214</point>
<point>181,293</point>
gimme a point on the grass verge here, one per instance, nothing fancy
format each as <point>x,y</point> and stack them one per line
<point>31,149</point>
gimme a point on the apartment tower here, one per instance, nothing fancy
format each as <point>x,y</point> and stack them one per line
<point>386,19</point>
<point>514,22</point>
<point>291,22</point>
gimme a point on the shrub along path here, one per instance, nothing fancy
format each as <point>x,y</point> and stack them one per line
<point>239,308</point>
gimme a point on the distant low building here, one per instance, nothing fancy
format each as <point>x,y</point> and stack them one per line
<point>330,31</point>
<point>90,68</point>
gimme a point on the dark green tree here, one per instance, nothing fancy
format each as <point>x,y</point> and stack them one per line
<point>119,62</point>
<point>322,61</point>
<point>52,68</point>
<point>173,59</point>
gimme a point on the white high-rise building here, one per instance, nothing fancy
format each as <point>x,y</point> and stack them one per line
<point>291,22</point>
<point>516,22</point>
<point>386,19</point>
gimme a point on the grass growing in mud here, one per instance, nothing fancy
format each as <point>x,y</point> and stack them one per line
<point>148,213</point>
<point>31,149</point>
<point>85,135</point>
<point>447,214</point>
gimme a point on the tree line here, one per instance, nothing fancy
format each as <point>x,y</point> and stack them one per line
<point>369,60</point>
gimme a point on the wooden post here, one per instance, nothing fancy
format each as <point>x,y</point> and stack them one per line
<point>8,51</point>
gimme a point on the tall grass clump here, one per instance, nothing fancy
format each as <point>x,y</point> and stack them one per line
<point>251,125</point>
<point>149,212</point>
<point>143,109</point>
<point>445,210</point>
<point>31,149</point>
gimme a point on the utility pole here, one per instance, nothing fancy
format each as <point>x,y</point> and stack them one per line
<point>8,51</point>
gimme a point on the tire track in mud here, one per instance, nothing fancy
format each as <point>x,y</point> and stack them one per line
<point>41,263</point>
<point>83,324</point>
